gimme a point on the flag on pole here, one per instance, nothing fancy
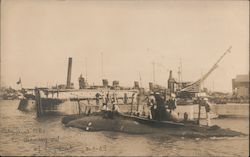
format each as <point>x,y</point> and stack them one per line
<point>19,81</point>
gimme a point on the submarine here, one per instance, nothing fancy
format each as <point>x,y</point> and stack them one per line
<point>125,123</point>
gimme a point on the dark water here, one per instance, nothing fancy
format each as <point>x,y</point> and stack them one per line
<point>23,134</point>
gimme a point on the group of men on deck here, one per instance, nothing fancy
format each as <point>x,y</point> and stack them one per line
<point>160,109</point>
<point>107,99</point>
<point>157,108</point>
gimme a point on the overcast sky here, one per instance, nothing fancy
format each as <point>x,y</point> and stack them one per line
<point>39,36</point>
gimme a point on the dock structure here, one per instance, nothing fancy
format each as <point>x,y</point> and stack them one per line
<point>80,100</point>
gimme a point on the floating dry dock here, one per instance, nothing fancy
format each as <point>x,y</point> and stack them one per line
<point>71,101</point>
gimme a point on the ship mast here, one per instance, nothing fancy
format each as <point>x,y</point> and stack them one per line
<point>101,65</point>
<point>154,72</point>
<point>140,79</point>
<point>181,68</point>
<point>86,72</point>
<point>180,75</point>
<point>179,78</point>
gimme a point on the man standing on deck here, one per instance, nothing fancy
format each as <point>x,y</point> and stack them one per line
<point>160,110</point>
<point>172,103</point>
<point>115,107</point>
<point>125,99</point>
<point>208,109</point>
<point>132,98</point>
<point>97,96</point>
<point>153,108</point>
<point>150,106</point>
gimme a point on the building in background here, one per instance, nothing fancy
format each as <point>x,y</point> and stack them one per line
<point>240,85</point>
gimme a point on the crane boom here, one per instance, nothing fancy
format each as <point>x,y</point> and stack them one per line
<point>193,86</point>
<point>227,51</point>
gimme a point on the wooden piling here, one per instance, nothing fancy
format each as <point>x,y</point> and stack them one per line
<point>199,114</point>
<point>79,107</point>
<point>39,107</point>
<point>131,108</point>
<point>138,97</point>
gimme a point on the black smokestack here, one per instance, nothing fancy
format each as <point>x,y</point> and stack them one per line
<point>69,73</point>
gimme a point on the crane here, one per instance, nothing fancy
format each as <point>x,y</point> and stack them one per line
<point>195,86</point>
